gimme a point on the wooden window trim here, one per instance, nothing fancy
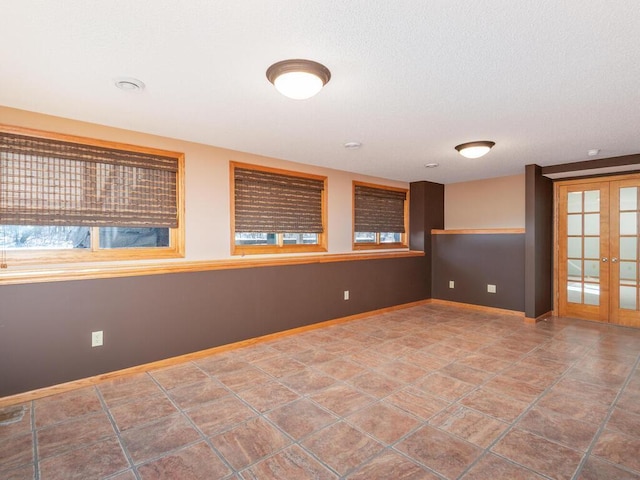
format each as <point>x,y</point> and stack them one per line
<point>321,246</point>
<point>176,248</point>
<point>377,245</point>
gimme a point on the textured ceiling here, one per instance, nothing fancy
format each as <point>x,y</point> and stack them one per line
<point>546,80</point>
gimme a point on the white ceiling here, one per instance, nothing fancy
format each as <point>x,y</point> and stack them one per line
<point>547,80</point>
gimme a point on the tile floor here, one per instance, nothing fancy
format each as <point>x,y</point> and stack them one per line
<point>423,393</point>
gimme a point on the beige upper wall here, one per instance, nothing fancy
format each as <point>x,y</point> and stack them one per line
<point>207,218</point>
<point>491,203</point>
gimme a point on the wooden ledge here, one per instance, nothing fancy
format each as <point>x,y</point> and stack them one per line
<point>20,275</point>
<point>479,231</point>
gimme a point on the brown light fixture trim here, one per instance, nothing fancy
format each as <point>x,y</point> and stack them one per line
<point>481,147</point>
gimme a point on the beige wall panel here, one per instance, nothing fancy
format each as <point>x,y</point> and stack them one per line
<point>490,203</point>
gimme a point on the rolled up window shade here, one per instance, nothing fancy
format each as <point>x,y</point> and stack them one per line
<point>269,202</point>
<point>379,209</point>
<point>52,182</point>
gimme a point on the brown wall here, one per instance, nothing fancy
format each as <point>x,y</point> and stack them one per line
<point>474,260</point>
<point>45,328</point>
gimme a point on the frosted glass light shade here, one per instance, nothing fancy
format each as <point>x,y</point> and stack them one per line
<point>298,85</point>
<point>475,149</point>
<point>298,79</point>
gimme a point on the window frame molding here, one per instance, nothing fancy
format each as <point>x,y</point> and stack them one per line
<point>176,248</point>
<point>280,247</point>
<point>377,245</point>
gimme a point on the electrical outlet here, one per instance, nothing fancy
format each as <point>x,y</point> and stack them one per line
<point>346,294</point>
<point>491,288</point>
<point>96,338</point>
<point>452,284</point>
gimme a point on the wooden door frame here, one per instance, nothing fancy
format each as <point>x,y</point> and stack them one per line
<point>556,204</point>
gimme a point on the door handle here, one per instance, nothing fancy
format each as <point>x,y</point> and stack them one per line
<point>605,259</point>
<point>614,260</point>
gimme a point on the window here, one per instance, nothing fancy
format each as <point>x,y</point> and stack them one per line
<point>66,198</point>
<point>380,216</point>
<point>276,211</point>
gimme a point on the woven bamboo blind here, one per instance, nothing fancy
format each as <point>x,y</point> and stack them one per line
<point>379,209</point>
<point>52,182</point>
<point>268,202</point>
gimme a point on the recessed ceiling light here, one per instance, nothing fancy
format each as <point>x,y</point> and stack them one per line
<point>298,79</point>
<point>593,152</point>
<point>432,165</point>
<point>129,84</point>
<point>352,145</point>
<point>475,149</point>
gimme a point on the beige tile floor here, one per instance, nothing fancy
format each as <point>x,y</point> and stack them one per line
<point>423,393</point>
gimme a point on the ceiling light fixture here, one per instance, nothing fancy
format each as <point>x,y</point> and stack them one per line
<point>129,84</point>
<point>352,145</point>
<point>475,149</point>
<point>298,79</point>
<point>432,165</point>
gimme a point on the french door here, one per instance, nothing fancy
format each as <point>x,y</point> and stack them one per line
<point>598,257</point>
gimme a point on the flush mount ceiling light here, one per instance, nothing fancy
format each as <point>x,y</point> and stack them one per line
<point>475,149</point>
<point>129,84</point>
<point>298,79</point>
<point>352,145</point>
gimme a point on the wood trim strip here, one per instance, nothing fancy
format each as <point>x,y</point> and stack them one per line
<point>91,381</point>
<point>479,231</point>
<point>23,275</point>
<point>539,318</point>
<point>482,308</point>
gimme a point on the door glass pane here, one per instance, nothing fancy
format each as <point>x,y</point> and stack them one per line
<point>592,247</point>
<point>592,224</point>
<point>574,202</point>
<point>592,269</point>
<point>574,224</point>
<point>629,248</point>
<point>574,292</point>
<point>628,223</point>
<point>591,294</point>
<point>628,271</point>
<point>629,198</point>
<point>592,201</point>
<point>628,298</point>
<point>574,247</point>
<point>574,269</point>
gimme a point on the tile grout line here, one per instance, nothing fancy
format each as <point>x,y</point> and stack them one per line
<point>116,430</point>
<point>603,425</point>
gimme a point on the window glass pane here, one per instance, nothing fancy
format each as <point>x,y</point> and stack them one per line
<point>628,223</point>
<point>300,238</point>
<point>574,269</point>
<point>628,298</point>
<point>592,224</point>
<point>44,237</point>
<point>592,247</point>
<point>574,292</point>
<point>628,271</point>
<point>574,202</point>
<point>592,270</point>
<point>365,237</point>
<point>252,238</point>
<point>591,294</point>
<point>390,237</point>
<point>592,201</point>
<point>129,237</point>
<point>629,198</point>
<point>628,248</point>
<point>574,224</point>
<point>574,247</point>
